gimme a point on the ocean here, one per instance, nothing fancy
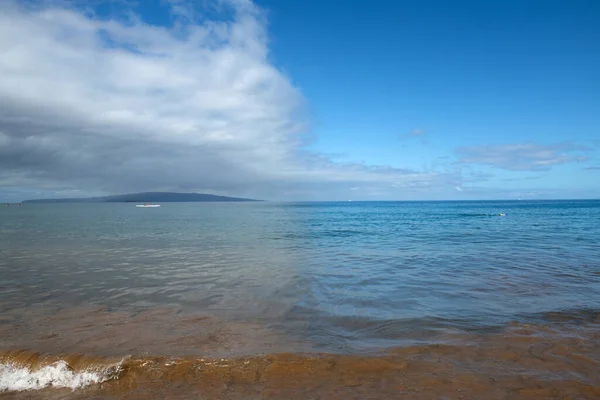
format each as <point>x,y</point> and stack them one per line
<point>349,300</point>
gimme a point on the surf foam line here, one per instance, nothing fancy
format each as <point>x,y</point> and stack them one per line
<point>18,376</point>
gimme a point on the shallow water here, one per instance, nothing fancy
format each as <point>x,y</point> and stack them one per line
<point>372,282</point>
<point>516,362</point>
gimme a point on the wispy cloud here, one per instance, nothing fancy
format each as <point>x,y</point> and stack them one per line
<point>418,133</point>
<point>526,178</point>
<point>118,105</point>
<point>592,168</point>
<point>522,157</point>
<point>474,176</point>
<point>537,193</point>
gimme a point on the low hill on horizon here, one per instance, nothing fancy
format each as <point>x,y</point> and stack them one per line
<point>147,197</point>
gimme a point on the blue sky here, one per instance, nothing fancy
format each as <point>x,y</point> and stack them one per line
<point>462,73</point>
<point>307,100</point>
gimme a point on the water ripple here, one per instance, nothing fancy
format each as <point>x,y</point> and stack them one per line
<point>339,275</point>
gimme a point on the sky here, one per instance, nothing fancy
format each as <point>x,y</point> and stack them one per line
<point>301,100</point>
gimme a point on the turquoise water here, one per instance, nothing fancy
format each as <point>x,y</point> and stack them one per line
<point>342,276</point>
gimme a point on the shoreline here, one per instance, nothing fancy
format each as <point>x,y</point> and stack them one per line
<point>523,361</point>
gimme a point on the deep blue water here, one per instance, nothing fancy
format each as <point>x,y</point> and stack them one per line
<point>341,275</point>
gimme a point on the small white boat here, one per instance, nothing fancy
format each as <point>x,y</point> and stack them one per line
<point>147,205</point>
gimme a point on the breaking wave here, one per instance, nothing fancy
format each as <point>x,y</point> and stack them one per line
<point>22,371</point>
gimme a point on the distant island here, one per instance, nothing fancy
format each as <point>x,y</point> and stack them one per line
<point>148,197</point>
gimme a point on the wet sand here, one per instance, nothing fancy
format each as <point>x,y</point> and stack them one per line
<point>556,359</point>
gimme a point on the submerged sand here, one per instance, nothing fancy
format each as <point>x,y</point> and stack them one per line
<point>162,354</point>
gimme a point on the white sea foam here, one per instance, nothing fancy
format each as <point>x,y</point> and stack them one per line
<point>58,374</point>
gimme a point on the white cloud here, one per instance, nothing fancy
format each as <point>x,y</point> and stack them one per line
<point>118,105</point>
